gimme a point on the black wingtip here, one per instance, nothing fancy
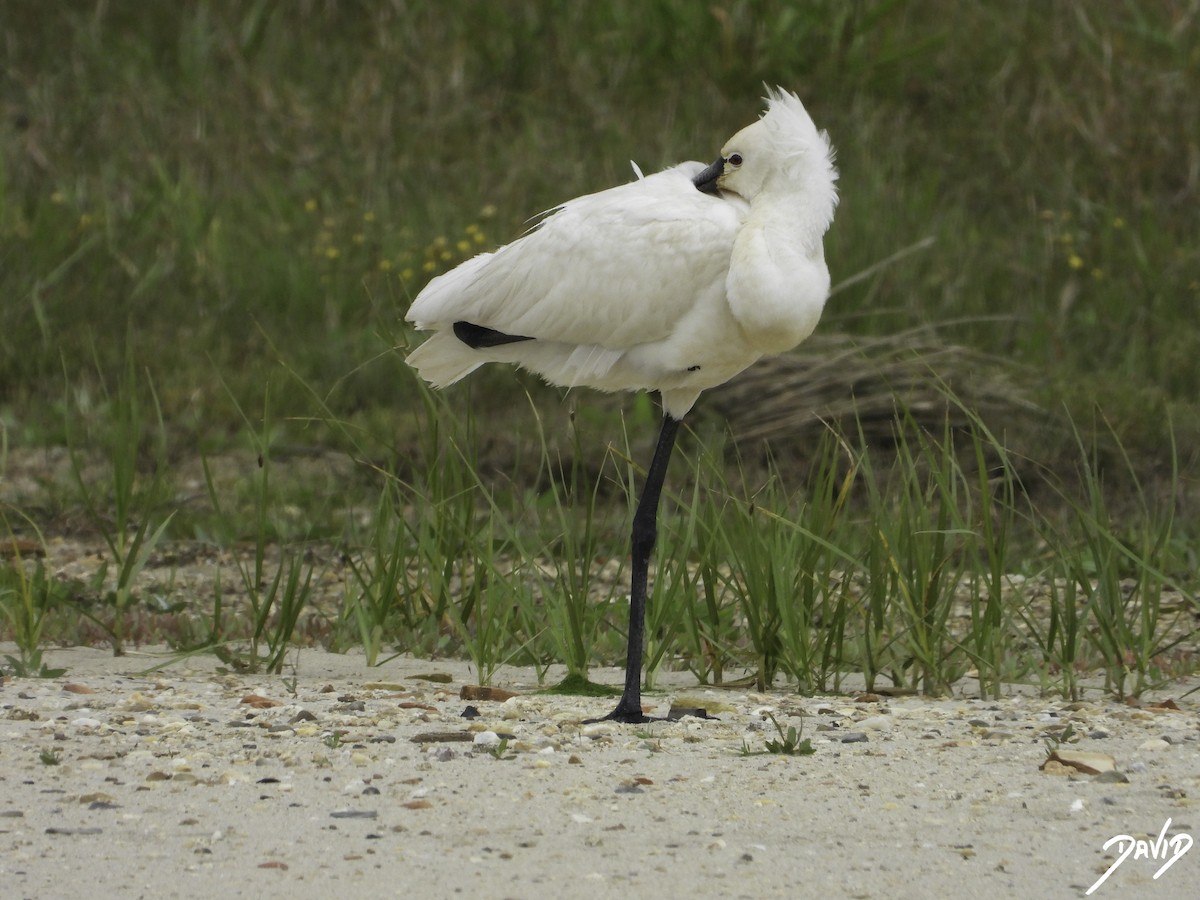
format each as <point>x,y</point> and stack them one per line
<point>477,337</point>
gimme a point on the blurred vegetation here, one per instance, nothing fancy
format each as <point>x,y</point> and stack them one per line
<point>213,216</point>
<point>230,193</point>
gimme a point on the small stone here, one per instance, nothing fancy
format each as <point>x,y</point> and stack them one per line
<point>435,737</point>
<point>1167,705</point>
<point>254,701</point>
<point>479,692</point>
<point>1088,762</point>
<point>1054,767</point>
<point>1154,745</point>
<point>74,831</point>
<point>854,737</point>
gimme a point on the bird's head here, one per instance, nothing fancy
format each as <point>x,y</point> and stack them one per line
<point>783,152</point>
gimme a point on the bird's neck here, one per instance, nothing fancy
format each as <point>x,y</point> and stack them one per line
<point>778,280</point>
<point>795,215</point>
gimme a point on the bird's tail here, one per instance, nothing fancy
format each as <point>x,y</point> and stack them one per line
<point>444,359</point>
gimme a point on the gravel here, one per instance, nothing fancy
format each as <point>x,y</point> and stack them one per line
<point>187,781</point>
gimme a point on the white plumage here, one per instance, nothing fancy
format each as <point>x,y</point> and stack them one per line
<point>675,282</point>
<point>655,285</point>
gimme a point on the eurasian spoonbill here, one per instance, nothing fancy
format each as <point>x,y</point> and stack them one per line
<point>674,282</point>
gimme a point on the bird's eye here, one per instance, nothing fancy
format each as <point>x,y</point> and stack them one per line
<point>735,159</point>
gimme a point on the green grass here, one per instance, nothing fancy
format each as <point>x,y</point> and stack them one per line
<point>213,216</point>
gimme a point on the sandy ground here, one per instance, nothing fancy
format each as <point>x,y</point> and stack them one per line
<point>116,781</point>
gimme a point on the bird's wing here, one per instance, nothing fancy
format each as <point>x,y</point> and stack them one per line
<point>612,269</point>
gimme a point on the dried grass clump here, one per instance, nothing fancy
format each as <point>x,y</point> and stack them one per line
<point>849,382</point>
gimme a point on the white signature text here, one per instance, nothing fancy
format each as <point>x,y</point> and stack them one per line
<point>1169,849</point>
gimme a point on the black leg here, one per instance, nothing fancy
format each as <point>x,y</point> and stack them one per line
<point>645,533</point>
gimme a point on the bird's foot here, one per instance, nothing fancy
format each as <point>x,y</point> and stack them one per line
<point>626,714</point>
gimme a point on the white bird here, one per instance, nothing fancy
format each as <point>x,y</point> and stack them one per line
<point>675,282</point>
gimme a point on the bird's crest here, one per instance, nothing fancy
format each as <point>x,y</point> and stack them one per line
<point>790,131</point>
<point>804,154</point>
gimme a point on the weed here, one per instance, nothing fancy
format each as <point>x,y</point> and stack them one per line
<point>128,521</point>
<point>275,604</point>
<point>500,750</point>
<point>27,599</point>
<point>788,743</point>
<point>1056,739</point>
